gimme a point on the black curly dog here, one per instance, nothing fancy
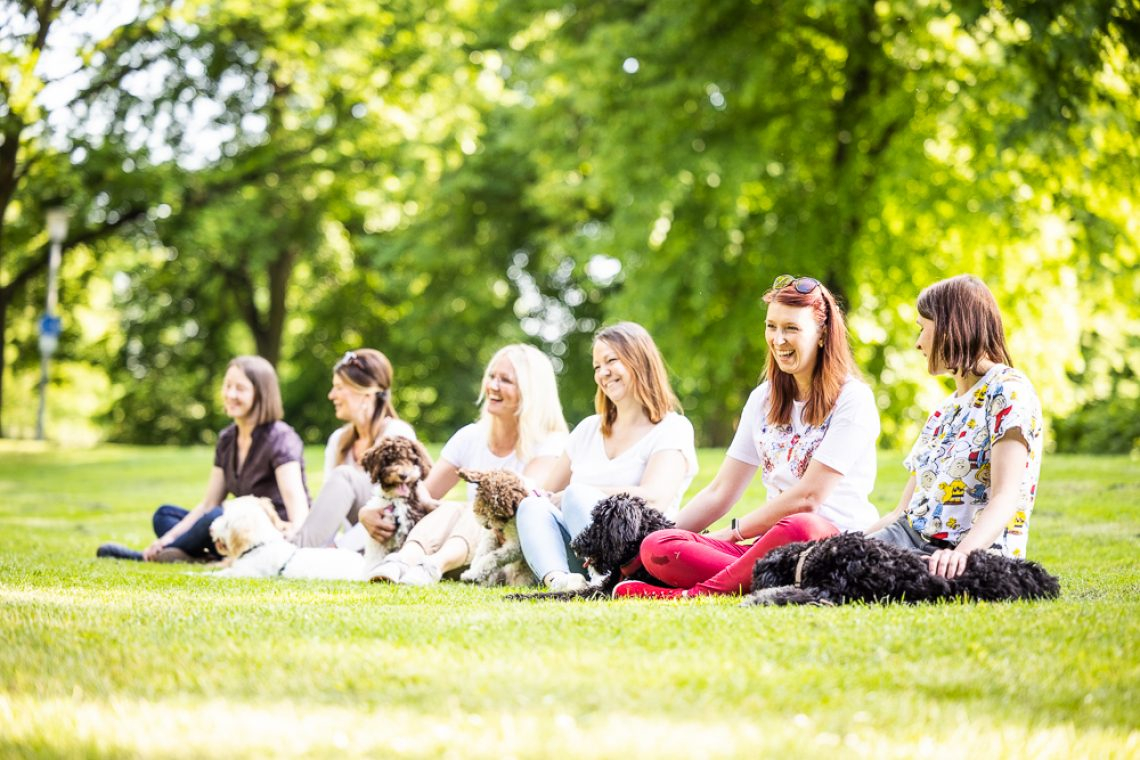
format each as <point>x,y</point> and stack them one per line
<point>609,545</point>
<point>853,568</point>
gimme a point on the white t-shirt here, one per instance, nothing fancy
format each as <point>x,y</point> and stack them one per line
<point>590,465</point>
<point>395,427</point>
<point>469,448</point>
<point>845,442</point>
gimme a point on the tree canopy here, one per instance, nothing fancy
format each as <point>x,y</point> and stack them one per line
<point>297,179</point>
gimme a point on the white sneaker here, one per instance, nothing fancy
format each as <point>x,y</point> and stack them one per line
<point>422,574</point>
<point>388,571</point>
<point>566,581</point>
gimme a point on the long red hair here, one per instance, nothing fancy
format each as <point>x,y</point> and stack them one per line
<point>833,364</point>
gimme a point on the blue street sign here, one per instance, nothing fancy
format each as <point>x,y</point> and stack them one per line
<point>49,326</point>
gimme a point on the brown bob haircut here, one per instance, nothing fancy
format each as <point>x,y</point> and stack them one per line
<point>967,324</point>
<point>267,405</point>
<point>637,351</point>
<point>833,364</point>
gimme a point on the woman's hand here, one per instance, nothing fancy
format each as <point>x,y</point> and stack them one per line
<point>724,534</point>
<point>151,551</point>
<point>378,522</point>
<point>555,499</point>
<point>948,563</point>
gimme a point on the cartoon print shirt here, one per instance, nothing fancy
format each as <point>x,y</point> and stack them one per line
<point>951,459</point>
<point>845,442</point>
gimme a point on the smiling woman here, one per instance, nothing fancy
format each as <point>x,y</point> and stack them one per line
<point>361,395</point>
<point>810,428</point>
<point>257,455</point>
<point>520,429</point>
<point>637,443</point>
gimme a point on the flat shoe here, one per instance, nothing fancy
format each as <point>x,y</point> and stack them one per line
<point>118,551</point>
<point>388,571</point>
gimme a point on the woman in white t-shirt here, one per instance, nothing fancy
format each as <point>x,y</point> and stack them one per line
<point>810,428</point>
<point>521,429</point>
<point>362,398</point>
<point>636,444</point>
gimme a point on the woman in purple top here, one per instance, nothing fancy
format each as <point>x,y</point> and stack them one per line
<point>257,455</point>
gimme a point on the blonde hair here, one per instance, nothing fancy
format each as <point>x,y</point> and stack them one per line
<point>540,411</point>
<point>637,351</point>
<point>267,406</point>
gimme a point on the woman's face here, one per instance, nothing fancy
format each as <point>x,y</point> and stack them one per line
<point>350,405</point>
<point>501,389</point>
<point>925,343</point>
<point>238,394</point>
<point>793,338</point>
<point>610,373</point>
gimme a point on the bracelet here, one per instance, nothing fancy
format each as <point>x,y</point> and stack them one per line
<point>735,524</point>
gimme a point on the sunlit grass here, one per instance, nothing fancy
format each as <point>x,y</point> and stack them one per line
<point>112,659</point>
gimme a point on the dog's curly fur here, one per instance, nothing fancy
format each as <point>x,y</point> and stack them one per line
<point>851,568</point>
<point>249,535</point>
<point>498,559</point>
<point>396,466</point>
<point>618,525</point>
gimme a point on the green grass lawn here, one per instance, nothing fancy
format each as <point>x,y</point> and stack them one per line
<point>104,658</point>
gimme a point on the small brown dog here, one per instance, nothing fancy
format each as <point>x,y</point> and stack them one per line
<point>397,466</point>
<point>498,559</point>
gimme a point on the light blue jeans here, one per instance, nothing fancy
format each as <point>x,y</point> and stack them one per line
<point>545,531</point>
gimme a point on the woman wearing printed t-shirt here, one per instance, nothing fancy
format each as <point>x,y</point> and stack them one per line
<point>975,465</point>
<point>810,429</point>
<point>636,444</point>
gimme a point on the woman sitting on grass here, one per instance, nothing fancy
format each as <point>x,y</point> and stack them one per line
<point>810,428</point>
<point>257,455</point>
<point>362,398</point>
<point>520,428</point>
<point>637,443</point>
<point>974,467</point>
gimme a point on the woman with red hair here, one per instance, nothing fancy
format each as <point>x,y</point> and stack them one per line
<point>810,428</point>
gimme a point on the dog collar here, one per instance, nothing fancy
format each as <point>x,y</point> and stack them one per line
<point>286,563</point>
<point>253,548</point>
<point>800,564</point>
<point>631,567</point>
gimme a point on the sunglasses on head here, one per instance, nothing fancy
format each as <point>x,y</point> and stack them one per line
<point>803,285</point>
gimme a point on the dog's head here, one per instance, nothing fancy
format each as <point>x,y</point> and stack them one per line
<point>245,522</point>
<point>618,525</point>
<point>397,464</point>
<point>498,494</point>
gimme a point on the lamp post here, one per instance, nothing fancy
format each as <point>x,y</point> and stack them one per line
<point>58,218</point>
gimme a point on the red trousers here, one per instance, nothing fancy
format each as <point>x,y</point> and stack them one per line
<point>703,565</point>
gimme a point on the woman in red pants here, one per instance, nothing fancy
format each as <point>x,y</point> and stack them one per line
<point>810,428</point>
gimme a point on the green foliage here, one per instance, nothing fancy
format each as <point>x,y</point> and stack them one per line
<point>111,658</point>
<point>298,180</point>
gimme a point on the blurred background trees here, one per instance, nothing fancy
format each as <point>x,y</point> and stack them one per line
<point>298,179</point>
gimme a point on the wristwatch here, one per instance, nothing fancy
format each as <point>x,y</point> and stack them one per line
<point>735,525</point>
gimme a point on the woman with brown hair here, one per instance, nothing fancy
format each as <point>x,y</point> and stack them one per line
<point>810,428</point>
<point>637,443</point>
<point>361,394</point>
<point>257,455</point>
<point>975,465</point>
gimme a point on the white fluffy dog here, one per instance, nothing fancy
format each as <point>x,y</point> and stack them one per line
<point>246,534</point>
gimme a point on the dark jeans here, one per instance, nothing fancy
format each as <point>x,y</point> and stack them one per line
<point>196,541</point>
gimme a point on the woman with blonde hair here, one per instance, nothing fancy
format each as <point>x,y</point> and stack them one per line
<point>361,394</point>
<point>520,428</point>
<point>257,455</point>
<point>637,443</point>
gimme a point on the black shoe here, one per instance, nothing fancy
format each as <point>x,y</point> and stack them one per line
<point>118,551</point>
